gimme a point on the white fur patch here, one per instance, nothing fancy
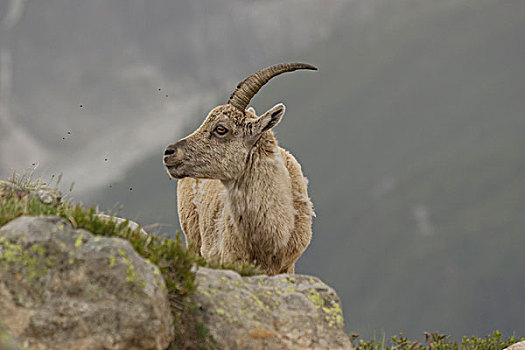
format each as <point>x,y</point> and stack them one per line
<point>200,187</point>
<point>197,189</point>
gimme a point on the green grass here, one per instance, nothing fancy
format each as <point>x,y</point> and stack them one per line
<point>436,341</point>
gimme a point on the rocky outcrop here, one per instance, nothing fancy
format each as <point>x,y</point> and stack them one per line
<point>65,288</point>
<point>62,288</point>
<point>261,312</point>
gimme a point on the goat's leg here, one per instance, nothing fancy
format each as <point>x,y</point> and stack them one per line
<point>289,269</point>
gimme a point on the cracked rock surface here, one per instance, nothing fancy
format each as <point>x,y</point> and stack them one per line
<point>62,288</point>
<point>262,312</point>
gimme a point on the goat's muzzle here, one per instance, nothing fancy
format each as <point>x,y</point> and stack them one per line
<point>173,159</point>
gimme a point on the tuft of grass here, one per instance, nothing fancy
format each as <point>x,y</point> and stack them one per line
<point>174,260</point>
<point>242,268</point>
<point>436,341</point>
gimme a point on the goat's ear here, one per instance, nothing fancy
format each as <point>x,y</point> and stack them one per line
<point>265,122</point>
<point>251,110</point>
<point>271,118</point>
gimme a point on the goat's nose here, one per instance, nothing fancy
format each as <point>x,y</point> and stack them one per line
<point>175,152</point>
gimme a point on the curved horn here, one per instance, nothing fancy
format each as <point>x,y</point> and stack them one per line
<point>247,88</point>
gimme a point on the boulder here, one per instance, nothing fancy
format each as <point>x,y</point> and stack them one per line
<point>65,288</point>
<point>261,312</point>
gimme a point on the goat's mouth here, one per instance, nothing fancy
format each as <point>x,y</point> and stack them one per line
<point>174,170</point>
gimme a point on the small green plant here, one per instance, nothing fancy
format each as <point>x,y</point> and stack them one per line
<point>436,341</point>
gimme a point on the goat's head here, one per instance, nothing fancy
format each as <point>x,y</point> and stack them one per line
<point>218,149</point>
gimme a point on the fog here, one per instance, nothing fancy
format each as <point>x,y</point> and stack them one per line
<point>411,132</point>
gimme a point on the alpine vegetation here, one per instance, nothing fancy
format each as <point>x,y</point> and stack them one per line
<point>241,197</point>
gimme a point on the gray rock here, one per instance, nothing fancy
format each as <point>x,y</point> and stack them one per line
<point>132,225</point>
<point>62,288</point>
<point>261,312</point>
<point>518,346</point>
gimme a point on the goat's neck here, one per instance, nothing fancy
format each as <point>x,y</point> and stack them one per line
<point>260,201</point>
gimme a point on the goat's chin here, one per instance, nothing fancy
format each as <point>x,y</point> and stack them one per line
<point>175,173</point>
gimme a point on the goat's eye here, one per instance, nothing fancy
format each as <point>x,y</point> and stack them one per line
<point>221,130</point>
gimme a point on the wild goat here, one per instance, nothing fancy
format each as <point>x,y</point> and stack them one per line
<point>241,197</point>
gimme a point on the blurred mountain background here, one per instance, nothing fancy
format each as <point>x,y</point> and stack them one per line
<point>411,133</point>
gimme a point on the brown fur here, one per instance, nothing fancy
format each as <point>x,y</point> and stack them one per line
<point>241,197</point>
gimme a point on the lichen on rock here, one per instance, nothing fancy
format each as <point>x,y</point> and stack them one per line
<point>62,288</point>
<point>278,312</point>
